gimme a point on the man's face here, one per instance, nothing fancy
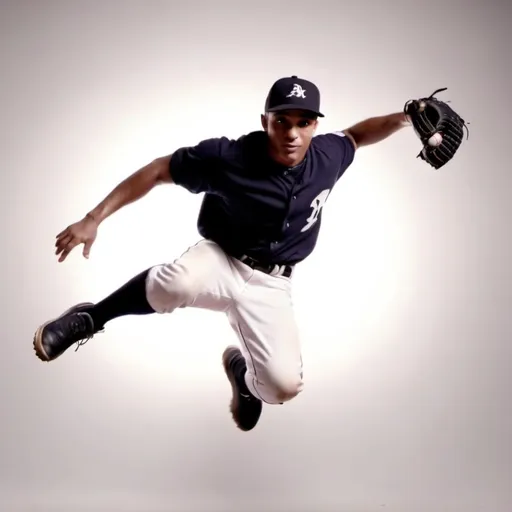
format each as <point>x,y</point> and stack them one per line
<point>290,133</point>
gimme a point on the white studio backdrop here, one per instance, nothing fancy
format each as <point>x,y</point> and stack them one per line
<point>404,308</point>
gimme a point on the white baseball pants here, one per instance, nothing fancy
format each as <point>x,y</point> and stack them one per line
<point>258,307</point>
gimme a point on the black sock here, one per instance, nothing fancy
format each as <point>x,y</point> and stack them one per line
<point>130,299</point>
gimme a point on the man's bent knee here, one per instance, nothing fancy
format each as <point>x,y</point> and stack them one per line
<point>277,389</point>
<point>288,391</point>
<point>170,286</point>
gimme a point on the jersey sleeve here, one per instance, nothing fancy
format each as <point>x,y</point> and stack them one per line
<point>196,168</point>
<point>342,147</point>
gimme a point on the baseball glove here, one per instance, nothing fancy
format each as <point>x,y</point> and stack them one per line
<point>438,126</point>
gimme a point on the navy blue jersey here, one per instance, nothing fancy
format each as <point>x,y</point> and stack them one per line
<point>254,206</point>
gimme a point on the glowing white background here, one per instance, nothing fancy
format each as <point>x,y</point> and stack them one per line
<point>404,307</point>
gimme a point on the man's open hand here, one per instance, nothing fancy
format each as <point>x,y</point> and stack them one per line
<point>81,232</point>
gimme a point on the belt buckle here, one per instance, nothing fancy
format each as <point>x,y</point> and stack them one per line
<point>277,270</point>
<point>272,270</point>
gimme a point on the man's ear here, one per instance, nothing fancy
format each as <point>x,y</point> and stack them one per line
<point>264,121</point>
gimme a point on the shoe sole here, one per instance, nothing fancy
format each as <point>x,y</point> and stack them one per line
<point>38,336</point>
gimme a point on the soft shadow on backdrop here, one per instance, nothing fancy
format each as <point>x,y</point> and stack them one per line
<point>404,307</point>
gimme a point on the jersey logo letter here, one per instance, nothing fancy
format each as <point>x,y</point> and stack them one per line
<point>317,204</point>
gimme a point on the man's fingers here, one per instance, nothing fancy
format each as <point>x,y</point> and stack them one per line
<point>62,242</point>
<point>63,239</point>
<point>65,253</point>
<point>63,232</point>
<point>66,249</point>
<point>87,248</point>
<point>63,256</point>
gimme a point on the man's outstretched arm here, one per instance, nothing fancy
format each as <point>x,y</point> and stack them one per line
<point>128,191</point>
<point>133,188</point>
<point>376,129</point>
<point>191,167</point>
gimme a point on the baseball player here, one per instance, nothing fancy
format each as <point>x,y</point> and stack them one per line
<point>261,214</point>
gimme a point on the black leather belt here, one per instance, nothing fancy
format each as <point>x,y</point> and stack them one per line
<point>270,269</point>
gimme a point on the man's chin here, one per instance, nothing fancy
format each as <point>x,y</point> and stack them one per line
<point>291,156</point>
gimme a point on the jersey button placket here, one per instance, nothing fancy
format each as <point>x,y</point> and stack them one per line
<point>291,206</point>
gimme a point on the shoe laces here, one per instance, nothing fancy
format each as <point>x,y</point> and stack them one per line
<point>77,325</point>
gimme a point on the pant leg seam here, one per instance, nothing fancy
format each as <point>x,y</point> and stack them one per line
<point>242,337</point>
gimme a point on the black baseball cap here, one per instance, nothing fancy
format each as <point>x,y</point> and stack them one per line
<point>293,93</point>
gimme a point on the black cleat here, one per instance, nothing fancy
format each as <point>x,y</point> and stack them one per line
<point>54,337</point>
<point>245,408</point>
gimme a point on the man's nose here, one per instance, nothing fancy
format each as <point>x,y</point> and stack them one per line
<point>292,134</point>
